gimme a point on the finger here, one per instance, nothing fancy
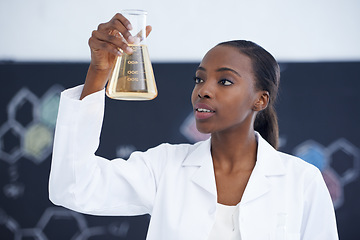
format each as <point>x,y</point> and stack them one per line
<point>118,35</point>
<point>108,42</point>
<point>115,28</point>
<point>148,30</point>
<point>121,21</point>
<point>96,46</point>
<point>125,22</point>
<point>118,23</point>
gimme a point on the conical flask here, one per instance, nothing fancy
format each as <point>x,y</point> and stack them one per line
<point>132,76</point>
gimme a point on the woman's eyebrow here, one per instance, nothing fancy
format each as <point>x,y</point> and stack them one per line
<point>223,69</point>
<point>201,68</point>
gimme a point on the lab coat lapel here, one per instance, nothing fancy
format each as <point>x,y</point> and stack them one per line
<point>201,158</point>
<point>268,164</point>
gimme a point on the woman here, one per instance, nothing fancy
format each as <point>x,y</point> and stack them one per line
<point>233,186</point>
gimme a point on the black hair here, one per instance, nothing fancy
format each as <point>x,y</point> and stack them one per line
<point>267,77</point>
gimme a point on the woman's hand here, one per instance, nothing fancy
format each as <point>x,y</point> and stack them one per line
<point>105,44</point>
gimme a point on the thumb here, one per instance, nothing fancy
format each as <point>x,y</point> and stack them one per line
<point>148,30</point>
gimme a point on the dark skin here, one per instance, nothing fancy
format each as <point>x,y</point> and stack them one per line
<point>224,82</point>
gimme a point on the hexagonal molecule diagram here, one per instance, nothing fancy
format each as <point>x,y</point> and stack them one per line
<point>60,223</point>
<point>8,226</point>
<point>49,223</point>
<point>339,164</point>
<point>28,132</point>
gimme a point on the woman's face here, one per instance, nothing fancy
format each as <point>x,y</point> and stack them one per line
<point>224,94</point>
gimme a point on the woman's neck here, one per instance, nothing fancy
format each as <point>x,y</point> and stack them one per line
<point>234,151</point>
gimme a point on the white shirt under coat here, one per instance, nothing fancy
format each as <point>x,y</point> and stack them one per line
<point>226,224</point>
<point>285,198</point>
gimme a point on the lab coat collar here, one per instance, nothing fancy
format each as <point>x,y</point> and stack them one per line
<point>268,158</point>
<point>201,157</point>
<point>268,164</point>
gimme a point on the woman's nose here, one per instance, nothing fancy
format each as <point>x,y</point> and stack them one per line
<point>205,91</point>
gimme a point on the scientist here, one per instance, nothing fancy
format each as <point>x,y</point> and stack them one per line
<point>235,185</point>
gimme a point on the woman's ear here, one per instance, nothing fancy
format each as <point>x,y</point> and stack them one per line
<point>262,101</point>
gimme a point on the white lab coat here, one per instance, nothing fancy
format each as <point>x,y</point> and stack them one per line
<point>285,198</point>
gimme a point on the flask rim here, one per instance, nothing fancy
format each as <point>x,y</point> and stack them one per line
<point>134,12</point>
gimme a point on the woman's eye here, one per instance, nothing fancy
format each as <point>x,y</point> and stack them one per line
<point>198,80</point>
<point>225,82</point>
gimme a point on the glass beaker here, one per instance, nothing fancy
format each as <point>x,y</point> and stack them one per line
<point>132,76</point>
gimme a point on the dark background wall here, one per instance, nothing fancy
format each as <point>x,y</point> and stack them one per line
<point>319,119</point>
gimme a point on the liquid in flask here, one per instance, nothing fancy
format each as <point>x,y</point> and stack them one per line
<point>132,76</point>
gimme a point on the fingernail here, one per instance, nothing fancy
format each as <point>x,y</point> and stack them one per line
<point>136,40</point>
<point>129,50</point>
<point>130,39</point>
<point>117,52</point>
<point>129,26</point>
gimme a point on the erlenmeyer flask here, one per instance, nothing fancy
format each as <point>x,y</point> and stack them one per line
<point>132,76</point>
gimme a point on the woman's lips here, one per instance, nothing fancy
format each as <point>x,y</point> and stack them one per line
<point>203,111</point>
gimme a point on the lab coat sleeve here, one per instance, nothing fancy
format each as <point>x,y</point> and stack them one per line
<point>319,220</point>
<point>80,180</point>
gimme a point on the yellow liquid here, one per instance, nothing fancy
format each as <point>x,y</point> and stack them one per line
<point>132,77</point>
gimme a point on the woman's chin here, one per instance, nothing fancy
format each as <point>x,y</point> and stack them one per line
<point>203,130</point>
